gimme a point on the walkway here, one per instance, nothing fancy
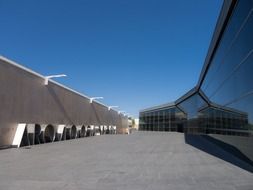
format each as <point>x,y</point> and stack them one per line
<point>140,161</point>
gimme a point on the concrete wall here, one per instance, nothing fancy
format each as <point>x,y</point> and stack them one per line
<point>25,99</point>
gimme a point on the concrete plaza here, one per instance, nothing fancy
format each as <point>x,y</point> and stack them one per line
<point>142,160</point>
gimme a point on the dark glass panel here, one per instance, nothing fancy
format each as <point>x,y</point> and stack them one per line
<point>191,106</point>
<point>226,121</point>
<point>238,85</point>
<point>167,120</point>
<point>246,105</point>
<point>236,56</point>
<point>160,124</point>
<point>226,44</point>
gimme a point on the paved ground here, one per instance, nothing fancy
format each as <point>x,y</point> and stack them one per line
<point>143,160</point>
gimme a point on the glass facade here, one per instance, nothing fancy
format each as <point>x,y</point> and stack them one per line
<point>229,80</point>
<point>222,103</point>
<point>165,119</point>
<point>215,120</point>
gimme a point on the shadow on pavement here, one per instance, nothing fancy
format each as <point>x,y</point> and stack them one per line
<point>220,150</point>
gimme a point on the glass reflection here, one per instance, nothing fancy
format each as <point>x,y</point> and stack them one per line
<point>222,105</point>
<point>166,119</point>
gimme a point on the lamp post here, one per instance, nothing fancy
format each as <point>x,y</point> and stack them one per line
<point>128,115</point>
<point>110,107</point>
<point>95,98</point>
<point>53,76</point>
<point>122,111</point>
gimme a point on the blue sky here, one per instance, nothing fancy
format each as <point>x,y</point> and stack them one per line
<point>134,53</point>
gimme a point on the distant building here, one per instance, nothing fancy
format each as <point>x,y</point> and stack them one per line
<point>135,124</point>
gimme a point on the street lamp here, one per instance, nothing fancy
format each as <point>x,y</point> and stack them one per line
<point>95,98</point>
<point>128,115</point>
<point>109,107</point>
<point>53,76</point>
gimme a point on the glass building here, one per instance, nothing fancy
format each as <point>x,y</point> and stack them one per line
<point>221,103</point>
